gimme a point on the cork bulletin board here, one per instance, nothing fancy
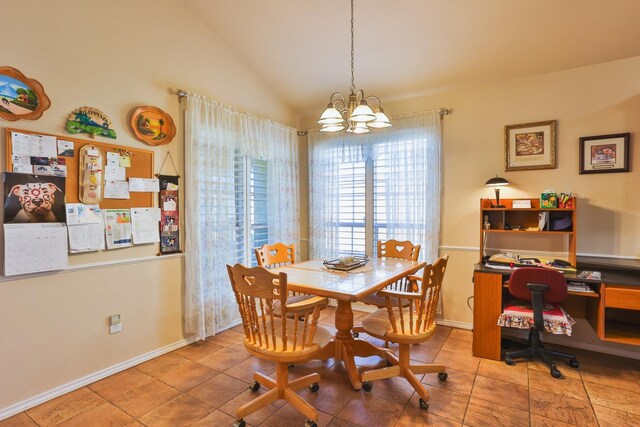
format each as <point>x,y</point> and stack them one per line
<point>141,167</point>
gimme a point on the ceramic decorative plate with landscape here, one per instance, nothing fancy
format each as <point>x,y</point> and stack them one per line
<point>152,126</point>
<point>20,96</point>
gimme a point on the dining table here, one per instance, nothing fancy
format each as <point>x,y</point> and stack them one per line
<point>346,287</point>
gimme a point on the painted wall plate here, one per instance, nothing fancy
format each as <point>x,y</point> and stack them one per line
<point>20,96</point>
<point>152,126</point>
<point>91,121</point>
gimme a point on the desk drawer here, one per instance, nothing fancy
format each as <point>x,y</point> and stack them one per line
<point>621,297</point>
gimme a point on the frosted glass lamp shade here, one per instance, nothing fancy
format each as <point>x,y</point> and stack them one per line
<point>335,127</point>
<point>381,121</point>
<point>362,114</point>
<point>358,128</point>
<point>330,116</point>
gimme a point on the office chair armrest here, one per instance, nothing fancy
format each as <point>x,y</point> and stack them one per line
<point>399,294</point>
<point>306,304</point>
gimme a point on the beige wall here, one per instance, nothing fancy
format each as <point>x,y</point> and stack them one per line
<point>113,55</point>
<point>594,100</point>
<point>119,54</point>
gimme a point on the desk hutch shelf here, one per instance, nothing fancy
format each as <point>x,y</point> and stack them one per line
<point>502,219</point>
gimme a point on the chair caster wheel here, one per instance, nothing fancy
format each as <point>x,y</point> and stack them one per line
<point>239,423</point>
<point>423,404</point>
<point>508,361</point>
<point>555,373</point>
<point>356,334</point>
<point>314,387</point>
<point>310,423</point>
<point>255,386</point>
<point>291,365</point>
<point>574,363</point>
<point>442,376</point>
<point>367,386</point>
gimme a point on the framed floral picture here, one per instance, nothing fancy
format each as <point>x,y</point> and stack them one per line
<point>530,146</point>
<point>604,153</point>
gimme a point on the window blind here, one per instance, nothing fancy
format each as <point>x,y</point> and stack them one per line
<point>351,208</point>
<point>250,183</point>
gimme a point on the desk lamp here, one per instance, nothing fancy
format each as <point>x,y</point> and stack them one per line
<point>497,182</point>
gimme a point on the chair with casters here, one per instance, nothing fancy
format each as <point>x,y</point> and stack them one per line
<point>392,249</point>
<point>538,292</point>
<point>281,255</point>
<point>280,339</point>
<point>407,325</point>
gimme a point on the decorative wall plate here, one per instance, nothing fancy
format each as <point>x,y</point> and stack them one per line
<point>152,126</point>
<point>91,121</point>
<point>20,96</point>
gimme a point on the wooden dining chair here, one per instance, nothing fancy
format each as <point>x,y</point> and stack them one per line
<point>392,249</point>
<point>281,255</point>
<point>277,338</point>
<point>407,325</point>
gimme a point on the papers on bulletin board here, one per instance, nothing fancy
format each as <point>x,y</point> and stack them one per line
<point>32,248</point>
<point>145,225</point>
<point>65,148</point>
<point>116,190</point>
<point>86,229</point>
<point>114,173</point>
<point>113,159</point>
<point>147,185</point>
<point>125,161</point>
<point>118,228</point>
<point>23,144</point>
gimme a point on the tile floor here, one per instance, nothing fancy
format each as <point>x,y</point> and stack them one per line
<point>202,385</point>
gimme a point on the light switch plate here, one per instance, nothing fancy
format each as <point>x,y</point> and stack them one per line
<point>114,319</point>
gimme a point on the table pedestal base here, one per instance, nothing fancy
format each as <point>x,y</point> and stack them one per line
<point>345,348</point>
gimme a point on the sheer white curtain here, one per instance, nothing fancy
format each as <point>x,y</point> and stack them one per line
<point>214,135</point>
<point>404,183</point>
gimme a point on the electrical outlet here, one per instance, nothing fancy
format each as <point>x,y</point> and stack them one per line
<point>115,324</point>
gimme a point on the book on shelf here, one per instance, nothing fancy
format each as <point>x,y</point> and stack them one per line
<point>578,287</point>
<point>593,275</point>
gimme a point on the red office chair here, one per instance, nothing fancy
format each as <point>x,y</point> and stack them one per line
<point>538,286</point>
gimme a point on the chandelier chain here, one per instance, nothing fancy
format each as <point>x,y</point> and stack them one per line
<point>353,85</point>
<point>353,112</point>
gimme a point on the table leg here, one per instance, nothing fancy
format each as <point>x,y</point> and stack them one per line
<point>345,348</point>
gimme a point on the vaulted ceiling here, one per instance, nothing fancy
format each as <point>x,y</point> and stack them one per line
<point>406,48</point>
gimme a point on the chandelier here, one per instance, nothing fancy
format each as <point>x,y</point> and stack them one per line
<point>357,114</point>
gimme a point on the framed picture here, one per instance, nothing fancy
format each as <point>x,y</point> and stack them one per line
<point>604,153</point>
<point>530,146</point>
<point>152,126</point>
<point>20,96</point>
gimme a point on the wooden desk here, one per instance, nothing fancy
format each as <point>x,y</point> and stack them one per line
<point>310,277</point>
<point>613,309</point>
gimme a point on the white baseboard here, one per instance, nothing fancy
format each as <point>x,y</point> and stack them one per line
<point>455,324</point>
<point>91,378</point>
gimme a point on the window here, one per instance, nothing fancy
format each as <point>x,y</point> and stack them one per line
<point>373,198</point>
<point>351,208</point>
<point>252,231</point>
<point>378,186</point>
